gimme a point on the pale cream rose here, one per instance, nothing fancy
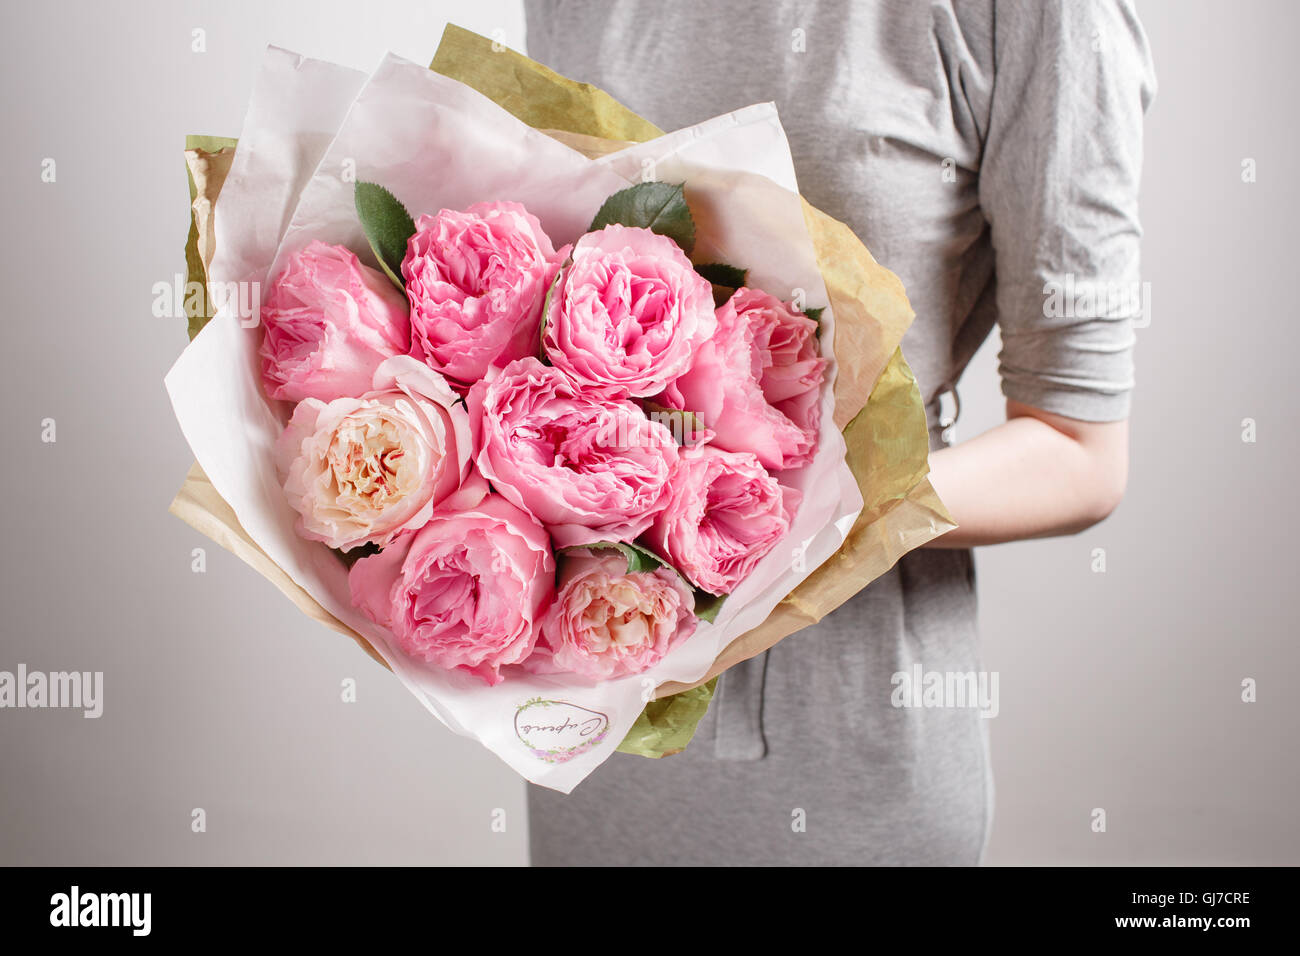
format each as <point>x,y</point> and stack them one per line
<point>362,470</point>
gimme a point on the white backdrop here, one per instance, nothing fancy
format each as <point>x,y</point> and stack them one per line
<point>1119,690</point>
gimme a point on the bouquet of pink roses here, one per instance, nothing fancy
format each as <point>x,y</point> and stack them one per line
<point>487,408</point>
<point>569,436</point>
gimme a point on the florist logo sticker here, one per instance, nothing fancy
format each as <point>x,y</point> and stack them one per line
<point>557,731</point>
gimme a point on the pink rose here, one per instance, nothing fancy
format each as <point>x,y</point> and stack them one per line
<point>725,512</point>
<point>362,470</point>
<point>606,622</point>
<point>477,280</point>
<point>329,322</point>
<point>589,467</point>
<point>629,313</point>
<point>757,383</point>
<point>465,592</point>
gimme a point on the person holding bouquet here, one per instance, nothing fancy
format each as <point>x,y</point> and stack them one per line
<point>984,151</point>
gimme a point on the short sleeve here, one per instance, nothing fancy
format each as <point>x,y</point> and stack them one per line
<point>1059,187</point>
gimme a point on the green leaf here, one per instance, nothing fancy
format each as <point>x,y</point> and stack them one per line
<point>708,605</point>
<point>667,725</point>
<point>815,314</point>
<point>729,277</point>
<point>638,558</point>
<point>546,310</point>
<point>659,207</point>
<point>388,227</point>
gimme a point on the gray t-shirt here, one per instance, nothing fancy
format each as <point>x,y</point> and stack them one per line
<point>989,153</point>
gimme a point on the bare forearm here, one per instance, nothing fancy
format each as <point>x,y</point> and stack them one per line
<point>1034,476</point>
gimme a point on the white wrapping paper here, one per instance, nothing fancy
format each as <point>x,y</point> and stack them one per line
<point>436,143</point>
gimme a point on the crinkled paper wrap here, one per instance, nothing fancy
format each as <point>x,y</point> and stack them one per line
<point>207,162</point>
<point>878,405</point>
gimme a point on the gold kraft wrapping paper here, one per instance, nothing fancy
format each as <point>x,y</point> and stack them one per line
<point>877,403</point>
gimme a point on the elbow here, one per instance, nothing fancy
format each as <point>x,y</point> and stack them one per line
<point>1103,492</point>
<point>1107,500</point>
<point>1089,466</point>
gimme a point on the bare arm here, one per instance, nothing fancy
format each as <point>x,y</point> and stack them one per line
<point>1034,476</point>
<point>1058,185</point>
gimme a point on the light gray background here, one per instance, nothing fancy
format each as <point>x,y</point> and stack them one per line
<point>1119,690</point>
